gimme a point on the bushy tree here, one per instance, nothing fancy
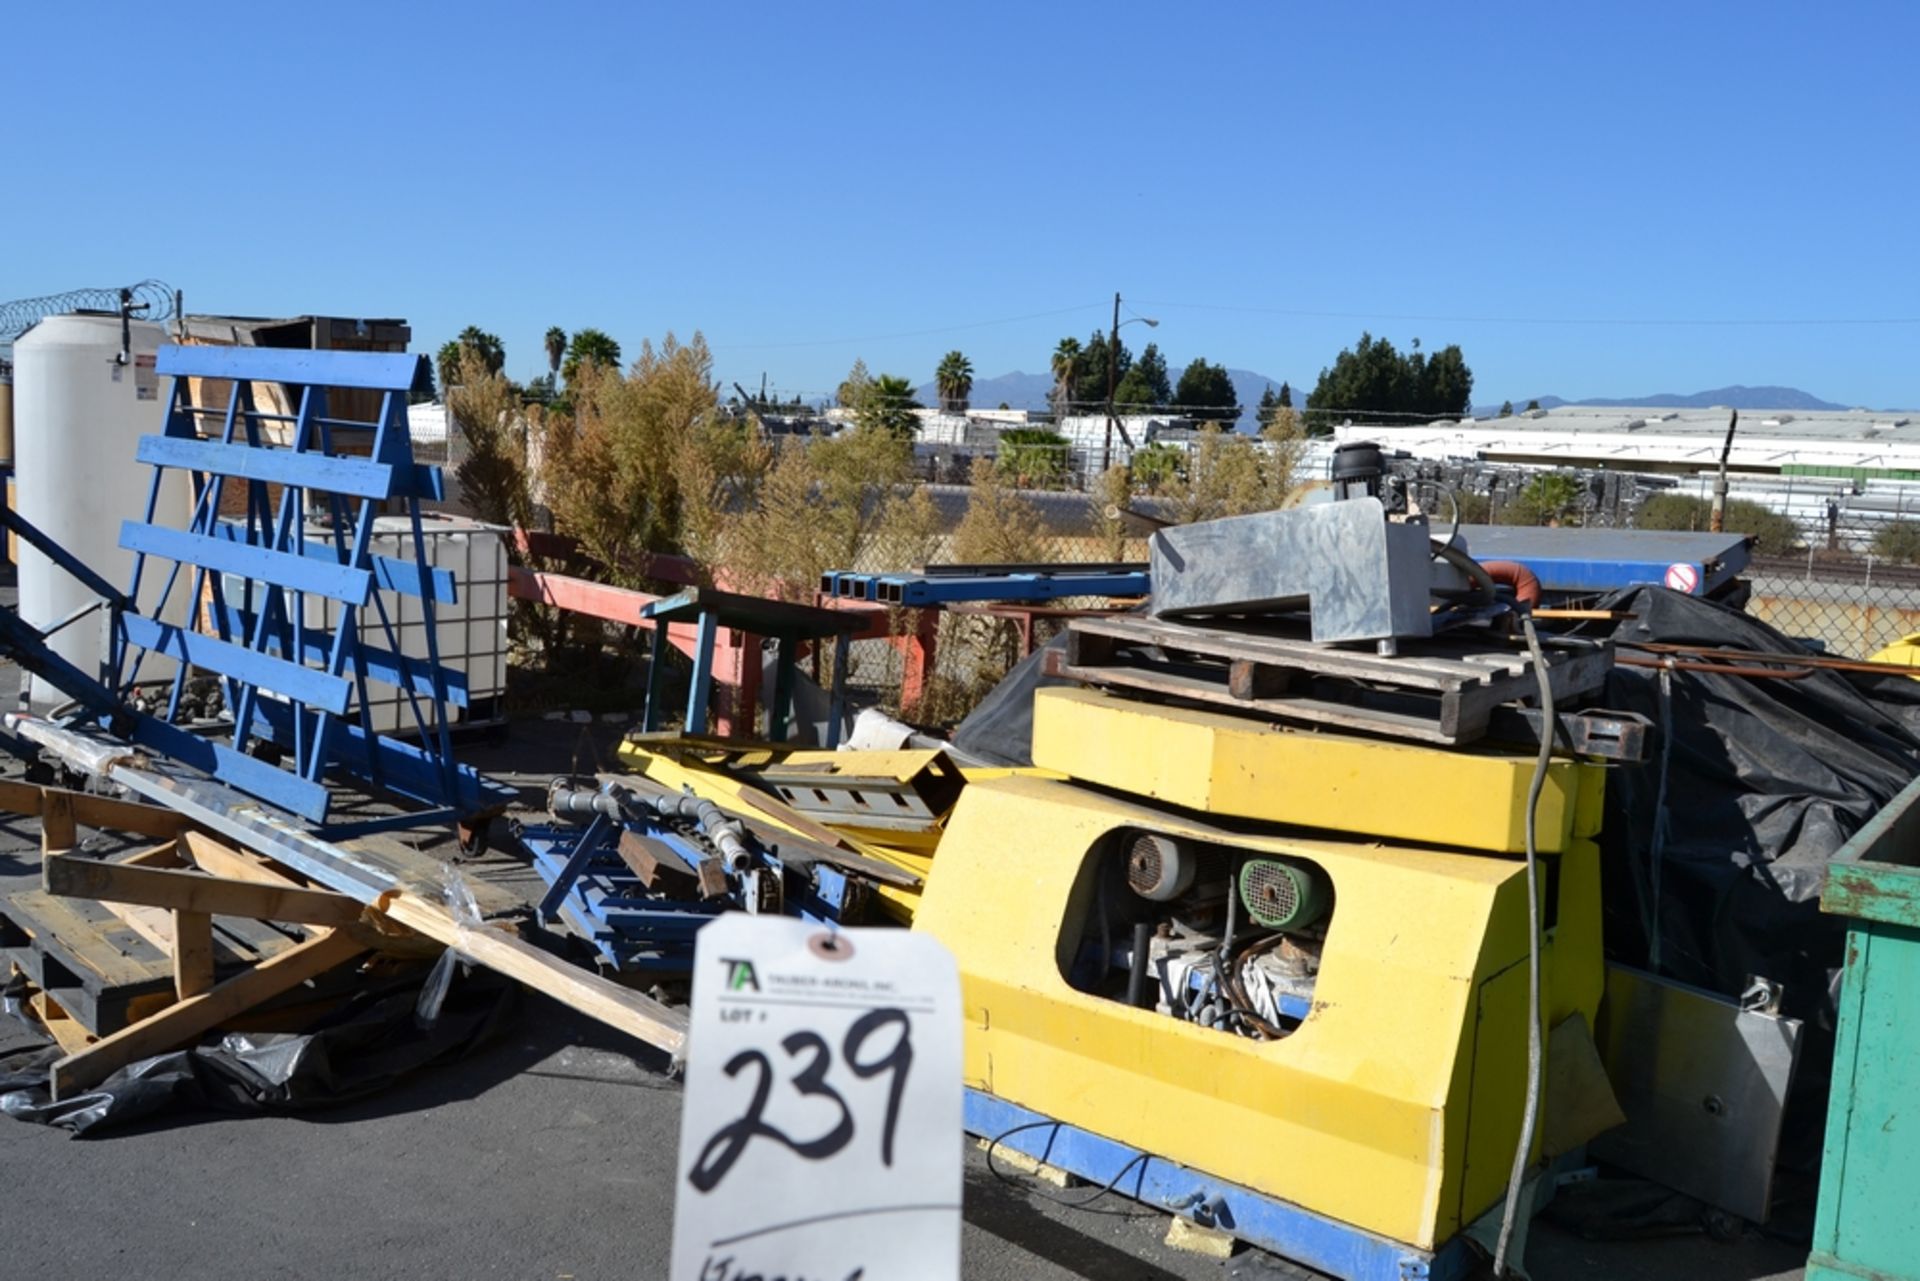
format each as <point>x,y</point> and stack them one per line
<point>486,411</point>
<point>1146,385</point>
<point>1206,392</point>
<point>1089,393</point>
<point>953,380</point>
<point>1158,468</point>
<point>1373,382</point>
<point>556,345</point>
<point>1898,541</point>
<point>589,348</point>
<point>1774,533</point>
<point>611,466</point>
<point>1506,409</point>
<point>1033,458</point>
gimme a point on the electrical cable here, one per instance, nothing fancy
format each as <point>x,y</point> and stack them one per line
<point>1530,1115</point>
<point>1081,1204</point>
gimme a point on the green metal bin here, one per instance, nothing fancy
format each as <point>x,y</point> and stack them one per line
<point>1868,1222</point>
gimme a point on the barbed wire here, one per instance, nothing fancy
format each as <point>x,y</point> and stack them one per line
<point>153,300</point>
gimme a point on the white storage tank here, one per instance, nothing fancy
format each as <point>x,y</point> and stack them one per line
<point>78,411</point>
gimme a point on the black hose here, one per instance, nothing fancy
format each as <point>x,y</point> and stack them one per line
<point>1137,969</point>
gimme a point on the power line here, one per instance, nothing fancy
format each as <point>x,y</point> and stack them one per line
<point>908,333</point>
<point>1598,321</point>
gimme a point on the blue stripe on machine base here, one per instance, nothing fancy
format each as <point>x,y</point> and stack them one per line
<point>1328,1245</point>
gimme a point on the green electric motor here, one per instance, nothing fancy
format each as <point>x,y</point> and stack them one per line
<point>1283,896</point>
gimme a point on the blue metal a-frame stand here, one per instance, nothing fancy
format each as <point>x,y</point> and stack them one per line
<point>258,582</point>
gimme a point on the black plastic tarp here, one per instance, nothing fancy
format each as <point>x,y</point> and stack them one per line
<point>1765,780</point>
<point>376,1038</point>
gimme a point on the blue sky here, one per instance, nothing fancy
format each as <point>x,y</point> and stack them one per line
<point>1552,186</point>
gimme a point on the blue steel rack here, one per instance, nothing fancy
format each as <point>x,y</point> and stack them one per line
<point>289,680</point>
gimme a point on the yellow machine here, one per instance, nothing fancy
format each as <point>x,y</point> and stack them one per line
<point>1290,966</point>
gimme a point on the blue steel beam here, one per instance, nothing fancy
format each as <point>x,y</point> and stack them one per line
<point>277,569</point>
<point>382,665</point>
<point>903,589</point>
<point>304,684</point>
<point>372,371</point>
<point>359,477</point>
<point>389,574</point>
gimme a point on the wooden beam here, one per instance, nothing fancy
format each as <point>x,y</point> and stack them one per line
<point>167,855</point>
<point>192,953</point>
<point>66,1030</point>
<point>195,892</point>
<point>96,811</point>
<point>57,829</point>
<point>210,855</point>
<point>597,998</point>
<point>186,1021</point>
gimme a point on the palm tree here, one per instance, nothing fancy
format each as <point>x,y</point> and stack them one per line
<point>1066,365</point>
<point>954,381</point>
<point>486,345</point>
<point>889,406</point>
<point>590,347</point>
<point>556,349</point>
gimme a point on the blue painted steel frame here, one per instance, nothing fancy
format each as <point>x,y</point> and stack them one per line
<point>1291,1231</point>
<point>286,679</point>
<point>593,890</point>
<point>919,590</point>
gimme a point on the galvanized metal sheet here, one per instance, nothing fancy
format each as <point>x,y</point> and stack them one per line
<point>1703,1083</point>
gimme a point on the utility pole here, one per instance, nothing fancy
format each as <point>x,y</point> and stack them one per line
<point>1113,375</point>
<point>1716,521</point>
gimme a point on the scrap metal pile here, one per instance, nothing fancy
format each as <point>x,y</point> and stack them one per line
<point>1296,900</point>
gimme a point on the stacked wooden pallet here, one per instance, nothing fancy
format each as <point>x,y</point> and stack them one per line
<point>1446,690</point>
<point>135,954</point>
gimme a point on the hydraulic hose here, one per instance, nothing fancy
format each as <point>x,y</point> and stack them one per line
<point>1530,1115</point>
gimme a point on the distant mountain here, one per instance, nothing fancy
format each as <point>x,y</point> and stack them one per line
<point>1029,391</point>
<point>1736,397</point>
<point>1018,390</point>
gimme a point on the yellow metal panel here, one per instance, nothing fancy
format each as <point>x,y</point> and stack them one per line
<point>1361,1114</point>
<point>1223,764</point>
<point>725,790</point>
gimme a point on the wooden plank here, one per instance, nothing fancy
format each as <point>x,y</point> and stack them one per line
<point>96,811</point>
<point>618,1007</point>
<point>210,855</point>
<point>164,855</point>
<point>195,892</point>
<point>657,867</point>
<point>183,1022</point>
<point>192,953</point>
<point>56,823</point>
<point>86,948</point>
<point>65,1030</point>
<point>1319,711</point>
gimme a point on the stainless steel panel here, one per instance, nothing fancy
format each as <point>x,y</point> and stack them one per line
<point>1703,1083</point>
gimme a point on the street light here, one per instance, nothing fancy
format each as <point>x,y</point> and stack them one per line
<point>1113,373</point>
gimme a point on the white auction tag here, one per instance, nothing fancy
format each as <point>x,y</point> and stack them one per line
<point>821,1135</point>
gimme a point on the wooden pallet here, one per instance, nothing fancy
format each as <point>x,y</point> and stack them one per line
<point>108,965</point>
<point>1443,690</point>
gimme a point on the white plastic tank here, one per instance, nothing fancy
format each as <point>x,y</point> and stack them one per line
<point>78,411</point>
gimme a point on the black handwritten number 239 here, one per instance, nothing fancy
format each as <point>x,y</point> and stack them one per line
<point>724,1148</point>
